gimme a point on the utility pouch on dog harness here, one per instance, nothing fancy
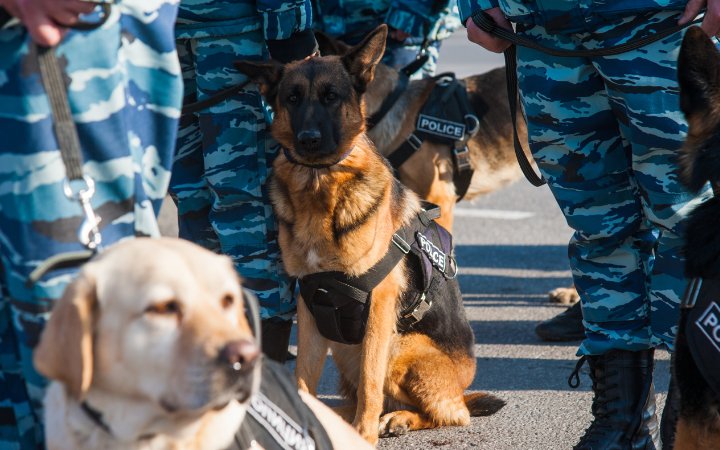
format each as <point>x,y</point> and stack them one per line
<point>340,303</point>
<point>702,328</point>
<point>277,418</point>
<point>446,117</point>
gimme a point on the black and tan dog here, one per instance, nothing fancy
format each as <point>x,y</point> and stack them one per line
<point>429,172</point>
<point>699,409</point>
<point>339,207</point>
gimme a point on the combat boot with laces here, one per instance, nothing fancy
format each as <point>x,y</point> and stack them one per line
<point>623,405</point>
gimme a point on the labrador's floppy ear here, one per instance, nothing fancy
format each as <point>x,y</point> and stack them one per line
<point>360,61</point>
<point>65,349</point>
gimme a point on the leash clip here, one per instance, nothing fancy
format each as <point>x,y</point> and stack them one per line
<point>89,233</point>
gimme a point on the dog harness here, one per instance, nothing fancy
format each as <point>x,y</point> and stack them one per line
<point>701,310</point>
<point>340,303</point>
<point>277,418</point>
<point>446,117</point>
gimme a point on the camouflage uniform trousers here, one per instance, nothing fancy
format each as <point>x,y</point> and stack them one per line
<point>605,132</point>
<point>399,55</point>
<point>124,92</point>
<point>224,157</point>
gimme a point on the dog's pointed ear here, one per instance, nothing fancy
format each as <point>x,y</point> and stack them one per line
<point>328,45</point>
<point>699,79</point>
<point>65,351</point>
<point>698,72</point>
<point>265,74</point>
<point>361,60</point>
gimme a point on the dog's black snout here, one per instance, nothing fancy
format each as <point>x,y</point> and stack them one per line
<point>310,139</point>
<point>239,355</point>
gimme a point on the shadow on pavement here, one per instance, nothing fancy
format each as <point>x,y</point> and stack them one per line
<point>524,374</point>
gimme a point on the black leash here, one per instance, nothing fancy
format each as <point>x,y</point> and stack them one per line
<point>486,23</point>
<point>197,106</point>
<point>51,75</point>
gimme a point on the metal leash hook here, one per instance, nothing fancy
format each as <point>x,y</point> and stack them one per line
<point>89,233</point>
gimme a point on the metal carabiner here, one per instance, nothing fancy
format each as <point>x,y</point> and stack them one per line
<point>89,233</point>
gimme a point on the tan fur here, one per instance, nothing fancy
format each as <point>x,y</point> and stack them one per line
<point>380,366</point>
<point>114,341</point>
<point>692,435</point>
<point>338,206</point>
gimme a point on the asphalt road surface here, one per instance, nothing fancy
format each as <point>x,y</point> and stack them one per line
<point>511,250</point>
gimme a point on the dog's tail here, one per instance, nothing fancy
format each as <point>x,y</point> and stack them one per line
<point>483,404</point>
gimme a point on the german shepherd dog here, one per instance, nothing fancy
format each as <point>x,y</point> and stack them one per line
<point>699,78</point>
<point>338,206</point>
<point>429,172</point>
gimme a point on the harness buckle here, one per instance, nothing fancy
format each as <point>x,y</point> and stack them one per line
<point>401,243</point>
<point>462,158</point>
<point>414,141</point>
<point>419,311</point>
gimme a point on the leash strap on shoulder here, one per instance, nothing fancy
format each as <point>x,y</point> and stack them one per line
<point>486,23</point>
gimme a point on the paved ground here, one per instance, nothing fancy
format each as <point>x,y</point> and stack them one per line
<point>511,247</point>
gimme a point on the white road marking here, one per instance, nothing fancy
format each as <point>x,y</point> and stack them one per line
<point>492,214</point>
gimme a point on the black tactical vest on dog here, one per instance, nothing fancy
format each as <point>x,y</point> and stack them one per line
<point>340,303</point>
<point>277,418</point>
<point>702,328</point>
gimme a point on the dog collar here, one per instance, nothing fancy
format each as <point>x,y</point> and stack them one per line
<point>96,417</point>
<point>292,159</point>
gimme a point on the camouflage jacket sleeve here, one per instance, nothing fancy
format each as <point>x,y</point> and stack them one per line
<point>283,18</point>
<point>468,7</point>
<point>414,17</point>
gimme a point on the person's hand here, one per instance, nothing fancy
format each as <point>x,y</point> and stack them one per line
<point>485,39</point>
<point>47,20</point>
<point>711,21</point>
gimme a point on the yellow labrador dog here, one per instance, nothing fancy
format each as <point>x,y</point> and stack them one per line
<point>150,348</point>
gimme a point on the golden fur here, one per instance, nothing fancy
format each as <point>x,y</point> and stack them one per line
<point>141,335</point>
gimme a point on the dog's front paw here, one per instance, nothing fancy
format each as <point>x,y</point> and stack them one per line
<point>394,424</point>
<point>369,432</point>
<point>565,296</point>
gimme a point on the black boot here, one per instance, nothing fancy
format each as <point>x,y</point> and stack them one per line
<point>566,326</point>
<point>276,338</point>
<point>668,422</point>
<point>624,403</point>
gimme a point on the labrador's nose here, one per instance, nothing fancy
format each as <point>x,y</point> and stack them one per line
<point>239,355</point>
<point>310,140</point>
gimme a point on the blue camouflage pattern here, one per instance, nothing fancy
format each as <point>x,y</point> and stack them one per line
<point>565,16</point>
<point>426,22</point>
<point>605,133</point>
<point>124,91</point>
<point>225,153</point>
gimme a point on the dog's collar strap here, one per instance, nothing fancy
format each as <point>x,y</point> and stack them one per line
<point>389,101</point>
<point>341,303</point>
<point>294,160</point>
<point>96,417</point>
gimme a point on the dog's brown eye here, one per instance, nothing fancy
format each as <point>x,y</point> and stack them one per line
<point>227,301</point>
<point>330,97</point>
<point>165,308</point>
<point>293,98</point>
